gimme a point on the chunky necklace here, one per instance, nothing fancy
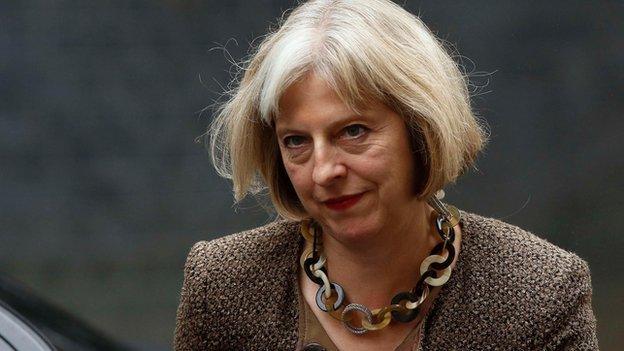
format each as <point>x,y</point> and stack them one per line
<point>404,306</point>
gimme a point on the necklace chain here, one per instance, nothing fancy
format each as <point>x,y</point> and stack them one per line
<point>405,306</point>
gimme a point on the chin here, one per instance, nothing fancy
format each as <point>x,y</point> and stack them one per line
<point>352,230</point>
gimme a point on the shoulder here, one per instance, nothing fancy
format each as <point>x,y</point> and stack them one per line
<point>238,287</point>
<point>266,246</point>
<point>513,279</point>
<point>502,247</point>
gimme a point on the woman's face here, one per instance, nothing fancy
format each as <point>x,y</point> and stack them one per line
<point>353,173</point>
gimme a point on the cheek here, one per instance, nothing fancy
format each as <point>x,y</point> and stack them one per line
<point>379,162</point>
<point>299,179</point>
<point>388,165</point>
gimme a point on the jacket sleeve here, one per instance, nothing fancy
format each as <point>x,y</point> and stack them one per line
<point>190,332</point>
<point>576,328</point>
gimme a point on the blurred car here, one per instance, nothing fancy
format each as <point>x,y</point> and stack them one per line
<point>28,323</point>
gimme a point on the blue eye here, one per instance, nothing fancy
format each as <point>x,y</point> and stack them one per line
<point>293,141</point>
<point>355,130</point>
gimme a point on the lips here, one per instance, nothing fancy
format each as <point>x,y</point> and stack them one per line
<point>343,202</point>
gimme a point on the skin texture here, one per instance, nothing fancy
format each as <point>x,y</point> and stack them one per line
<point>328,152</point>
<point>375,247</point>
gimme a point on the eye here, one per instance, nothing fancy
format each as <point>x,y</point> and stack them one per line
<point>293,141</point>
<point>355,130</point>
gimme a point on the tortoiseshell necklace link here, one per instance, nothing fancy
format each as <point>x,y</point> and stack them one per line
<point>404,306</point>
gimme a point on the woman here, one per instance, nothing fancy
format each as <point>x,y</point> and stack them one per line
<point>354,117</point>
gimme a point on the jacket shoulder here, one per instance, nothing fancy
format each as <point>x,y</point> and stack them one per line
<point>238,287</point>
<point>497,246</point>
<point>517,281</point>
<point>265,246</point>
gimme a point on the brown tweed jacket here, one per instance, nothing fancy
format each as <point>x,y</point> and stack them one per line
<point>510,290</point>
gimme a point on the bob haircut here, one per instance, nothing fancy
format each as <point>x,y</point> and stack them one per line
<point>366,50</point>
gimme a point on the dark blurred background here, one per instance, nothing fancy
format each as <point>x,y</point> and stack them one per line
<point>103,189</point>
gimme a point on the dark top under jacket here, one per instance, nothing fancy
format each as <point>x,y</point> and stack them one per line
<point>509,290</point>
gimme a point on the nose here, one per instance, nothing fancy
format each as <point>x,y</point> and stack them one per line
<point>327,166</point>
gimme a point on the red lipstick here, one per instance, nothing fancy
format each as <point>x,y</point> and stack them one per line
<point>343,202</point>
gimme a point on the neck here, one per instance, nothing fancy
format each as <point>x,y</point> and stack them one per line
<point>372,272</point>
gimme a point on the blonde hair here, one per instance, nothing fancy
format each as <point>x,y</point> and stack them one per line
<point>366,50</point>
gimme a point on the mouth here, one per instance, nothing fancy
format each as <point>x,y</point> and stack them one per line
<point>343,202</point>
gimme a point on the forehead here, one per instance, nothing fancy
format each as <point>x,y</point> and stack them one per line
<point>309,94</point>
<point>312,97</point>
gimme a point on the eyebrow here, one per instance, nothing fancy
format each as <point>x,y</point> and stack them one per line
<point>331,125</point>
